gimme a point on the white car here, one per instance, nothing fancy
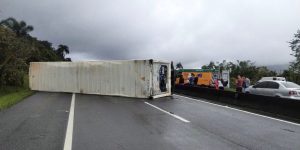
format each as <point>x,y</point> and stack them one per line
<point>275,88</point>
<point>272,78</point>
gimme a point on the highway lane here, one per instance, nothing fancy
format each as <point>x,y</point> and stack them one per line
<point>243,129</point>
<point>105,122</point>
<point>36,123</point>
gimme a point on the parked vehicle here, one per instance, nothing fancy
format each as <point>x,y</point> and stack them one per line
<point>272,78</point>
<point>276,88</point>
<point>203,77</point>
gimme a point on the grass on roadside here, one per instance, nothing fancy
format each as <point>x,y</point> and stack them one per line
<point>230,89</point>
<point>11,95</point>
<point>7,100</point>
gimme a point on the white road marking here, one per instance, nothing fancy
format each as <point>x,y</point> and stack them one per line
<point>247,112</point>
<point>173,115</point>
<point>69,132</point>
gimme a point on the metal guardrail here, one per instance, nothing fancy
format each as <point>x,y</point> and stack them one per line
<point>274,105</point>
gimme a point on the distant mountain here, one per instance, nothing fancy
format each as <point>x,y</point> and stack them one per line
<point>278,68</point>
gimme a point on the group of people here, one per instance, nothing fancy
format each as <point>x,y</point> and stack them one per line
<point>192,80</point>
<point>242,83</point>
<point>218,84</point>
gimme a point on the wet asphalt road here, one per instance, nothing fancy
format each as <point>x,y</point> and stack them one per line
<point>104,122</point>
<point>36,123</point>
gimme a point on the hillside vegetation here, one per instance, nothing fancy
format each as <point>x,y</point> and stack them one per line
<point>17,49</point>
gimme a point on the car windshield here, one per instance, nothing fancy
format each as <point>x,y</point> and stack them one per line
<point>290,85</point>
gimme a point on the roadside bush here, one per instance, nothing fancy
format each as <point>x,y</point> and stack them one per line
<point>12,77</point>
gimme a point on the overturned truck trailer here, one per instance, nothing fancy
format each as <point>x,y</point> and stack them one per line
<point>129,78</point>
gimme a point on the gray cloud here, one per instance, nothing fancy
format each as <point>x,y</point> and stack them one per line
<point>193,32</point>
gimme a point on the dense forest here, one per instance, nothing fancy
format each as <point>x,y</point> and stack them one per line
<point>18,48</point>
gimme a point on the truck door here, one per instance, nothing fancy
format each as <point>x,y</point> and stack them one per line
<point>161,78</point>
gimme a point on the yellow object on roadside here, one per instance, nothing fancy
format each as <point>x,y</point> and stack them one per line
<point>203,76</point>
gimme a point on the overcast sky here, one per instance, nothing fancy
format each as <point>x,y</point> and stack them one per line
<point>193,32</point>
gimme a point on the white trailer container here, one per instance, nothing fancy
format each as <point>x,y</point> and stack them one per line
<point>129,78</point>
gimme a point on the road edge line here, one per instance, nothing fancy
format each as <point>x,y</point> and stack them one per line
<point>69,132</point>
<point>173,115</point>
<point>247,112</point>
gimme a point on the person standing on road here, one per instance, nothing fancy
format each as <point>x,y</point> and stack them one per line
<point>181,79</point>
<point>216,83</point>
<point>239,84</point>
<point>172,78</point>
<point>244,85</point>
<point>191,79</point>
<point>248,82</point>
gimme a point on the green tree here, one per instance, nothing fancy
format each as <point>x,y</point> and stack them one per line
<point>61,51</point>
<point>179,66</point>
<point>295,65</point>
<point>18,49</point>
<point>211,65</point>
<point>224,65</point>
<point>20,28</point>
<point>204,67</point>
